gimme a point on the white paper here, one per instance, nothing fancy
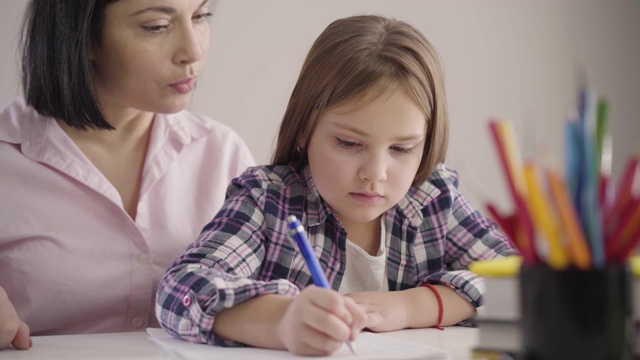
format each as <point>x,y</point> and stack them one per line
<point>368,346</point>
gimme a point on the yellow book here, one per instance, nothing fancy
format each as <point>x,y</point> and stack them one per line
<point>500,299</point>
<point>510,266</point>
<point>501,267</point>
<point>480,354</point>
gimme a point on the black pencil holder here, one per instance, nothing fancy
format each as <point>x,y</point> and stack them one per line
<point>575,314</point>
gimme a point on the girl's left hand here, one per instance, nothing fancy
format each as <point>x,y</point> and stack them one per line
<point>386,310</point>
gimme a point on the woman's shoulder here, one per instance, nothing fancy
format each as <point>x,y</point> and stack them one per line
<point>212,136</point>
<point>199,126</point>
<point>13,120</point>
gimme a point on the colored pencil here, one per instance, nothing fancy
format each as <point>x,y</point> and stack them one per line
<point>544,218</point>
<point>511,162</point>
<point>576,241</point>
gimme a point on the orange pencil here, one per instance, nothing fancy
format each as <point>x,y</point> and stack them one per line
<point>576,240</point>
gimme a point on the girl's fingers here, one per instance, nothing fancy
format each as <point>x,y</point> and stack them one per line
<point>318,343</point>
<point>331,319</point>
<point>331,302</point>
<point>327,323</point>
<point>359,316</point>
<point>313,329</point>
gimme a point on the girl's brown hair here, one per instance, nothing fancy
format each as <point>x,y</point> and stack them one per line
<point>358,57</point>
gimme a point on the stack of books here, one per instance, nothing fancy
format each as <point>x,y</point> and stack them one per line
<point>498,320</point>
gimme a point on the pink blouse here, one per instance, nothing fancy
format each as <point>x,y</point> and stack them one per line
<point>71,258</point>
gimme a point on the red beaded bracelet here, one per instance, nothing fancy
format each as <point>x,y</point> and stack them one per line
<point>440,305</point>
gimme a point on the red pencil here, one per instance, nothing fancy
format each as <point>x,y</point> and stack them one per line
<point>506,223</point>
<point>605,199</point>
<point>523,226</point>
<point>622,201</point>
<point>628,234</point>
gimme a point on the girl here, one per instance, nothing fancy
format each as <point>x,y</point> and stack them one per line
<point>105,177</point>
<point>359,161</point>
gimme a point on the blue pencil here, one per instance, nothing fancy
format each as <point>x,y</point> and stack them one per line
<point>296,231</point>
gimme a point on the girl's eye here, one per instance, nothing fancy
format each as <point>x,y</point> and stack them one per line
<point>402,150</point>
<point>202,16</point>
<point>347,144</point>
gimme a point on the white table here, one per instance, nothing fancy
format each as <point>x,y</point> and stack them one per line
<point>139,346</point>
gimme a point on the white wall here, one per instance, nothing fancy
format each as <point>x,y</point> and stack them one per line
<point>517,60</point>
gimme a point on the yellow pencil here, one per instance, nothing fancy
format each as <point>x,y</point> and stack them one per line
<point>576,240</point>
<point>545,219</point>
<point>524,226</point>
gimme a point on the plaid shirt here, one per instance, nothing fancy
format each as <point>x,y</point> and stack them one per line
<point>432,235</point>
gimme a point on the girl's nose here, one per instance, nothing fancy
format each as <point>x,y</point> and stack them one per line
<point>373,169</point>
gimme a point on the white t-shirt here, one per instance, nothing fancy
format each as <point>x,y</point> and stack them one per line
<point>365,272</point>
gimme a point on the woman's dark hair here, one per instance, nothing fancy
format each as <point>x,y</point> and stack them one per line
<point>56,69</point>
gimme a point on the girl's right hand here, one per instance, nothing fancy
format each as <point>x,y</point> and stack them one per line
<point>319,321</point>
<point>12,329</point>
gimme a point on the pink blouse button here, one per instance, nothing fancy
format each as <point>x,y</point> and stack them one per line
<point>187,301</point>
<point>137,322</point>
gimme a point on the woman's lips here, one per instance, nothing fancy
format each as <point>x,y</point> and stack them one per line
<point>185,86</point>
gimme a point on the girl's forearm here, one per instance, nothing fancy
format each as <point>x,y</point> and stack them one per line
<point>423,307</point>
<point>253,322</point>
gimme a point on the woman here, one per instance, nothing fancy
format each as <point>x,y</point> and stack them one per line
<point>106,178</point>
